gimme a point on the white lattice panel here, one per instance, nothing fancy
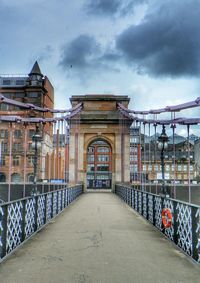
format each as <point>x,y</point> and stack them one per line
<point>158,212</point>
<point>136,200</point>
<point>1,226</point>
<point>140,202</point>
<point>55,203</point>
<point>41,211</point>
<point>198,232</point>
<point>150,208</point>
<point>144,205</point>
<point>49,207</point>
<point>63,199</point>
<point>29,217</point>
<point>14,230</point>
<point>59,201</point>
<point>184,230</point>
<point>66,197</point>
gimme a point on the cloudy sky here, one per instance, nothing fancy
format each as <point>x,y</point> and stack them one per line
<point>146,49</point>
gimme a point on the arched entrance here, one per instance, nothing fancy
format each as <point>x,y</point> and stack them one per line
<point>99,165</point>
<point>2,177</point>
<point>15,177</point>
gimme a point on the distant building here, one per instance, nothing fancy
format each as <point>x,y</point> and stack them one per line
<point>145,165</point>
<point>36,89</point>
<point>197,157</point>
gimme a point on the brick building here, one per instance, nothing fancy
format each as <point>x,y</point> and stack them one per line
<point>16,152</point>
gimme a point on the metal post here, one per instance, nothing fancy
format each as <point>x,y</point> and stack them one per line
<point>163,170</point>
<point>35,169</point>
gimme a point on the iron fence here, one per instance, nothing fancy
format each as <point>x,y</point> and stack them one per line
<point>185,228</point>
<point>22,218</point>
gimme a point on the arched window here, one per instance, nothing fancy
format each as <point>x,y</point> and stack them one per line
<point>99,165</point>
<point>30,177</point>
<point>15,177</point>
<point>2,177</point>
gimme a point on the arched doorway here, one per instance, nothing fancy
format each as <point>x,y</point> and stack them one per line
<point>2,177</point>
<point>99,165</point>
<point>15,178</point>
<point>30,177</point>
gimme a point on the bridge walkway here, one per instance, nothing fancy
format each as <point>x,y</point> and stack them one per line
<point>98,239</point>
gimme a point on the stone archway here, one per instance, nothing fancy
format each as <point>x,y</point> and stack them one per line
<point>99,165</point>
<point>99,119</point>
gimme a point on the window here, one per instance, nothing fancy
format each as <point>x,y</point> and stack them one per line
<point>133,168</point>
<point>17,146</point>
<point>90,149</point>
<point>179,168</point>
<point>103,158</point>
<point>102,149</point>
<point>3,134</point>
<point>32,94</point>
<point>144,167</point>
<point>156,167</point>
<point>184,167</point>
<point>19,82</point>
<point>133,158</point>
<point>4,107</point>
<point>149,167</point>
<point>30,160</point>
<point>90,158</point>
<point>167,167</point>
<point>134,140</point>
<point>17,134</point>
<point>31,133</point>
<point>90,167</point>
<point>19,94</point>
<point>191,168</point>
<point>103,167</point>
<point>4,147</point>
<point>3,160</point>
<point>133,149</point>
<point>15,160</point>
<point>6,82</point>
<point>30,147</point>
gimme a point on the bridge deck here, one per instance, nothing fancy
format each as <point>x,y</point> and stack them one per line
<point>98,239</point>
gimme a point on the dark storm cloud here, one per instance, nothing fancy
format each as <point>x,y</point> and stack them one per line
<point>111,7</point>
<point>167,42</point>
<point>80,53</point>
<point>84,54</point>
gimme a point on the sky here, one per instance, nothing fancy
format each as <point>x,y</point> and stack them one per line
<point>146,49</point>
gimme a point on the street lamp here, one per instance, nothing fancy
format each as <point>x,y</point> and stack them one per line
<point>162,145</point>
<point>36,144</point>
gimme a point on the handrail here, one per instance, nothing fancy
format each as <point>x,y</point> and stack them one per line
<point>185,229</point>
<point>21,219</point>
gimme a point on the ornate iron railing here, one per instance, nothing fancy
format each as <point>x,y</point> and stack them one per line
<point>185,228</point>
<point>22,218</point>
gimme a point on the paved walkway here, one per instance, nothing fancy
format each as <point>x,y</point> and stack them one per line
<point>98,239</point>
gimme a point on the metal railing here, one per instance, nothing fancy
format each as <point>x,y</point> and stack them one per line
<point>22,218</point>
<point>185,228</point>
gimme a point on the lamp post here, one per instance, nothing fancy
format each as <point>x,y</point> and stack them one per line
<point>36,144</point>
<point>162,145</point>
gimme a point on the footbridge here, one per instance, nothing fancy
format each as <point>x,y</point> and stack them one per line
<point>97,238</point>
<point>108,206</point>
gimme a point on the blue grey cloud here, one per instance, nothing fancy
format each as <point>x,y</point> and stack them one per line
<point>80,53</point>
<point>166,42</point>
<point>111,7</point>
<point>84,54</point>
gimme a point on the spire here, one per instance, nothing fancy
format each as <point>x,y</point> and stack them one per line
<point>35,76</point>
<point>36,70</point>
